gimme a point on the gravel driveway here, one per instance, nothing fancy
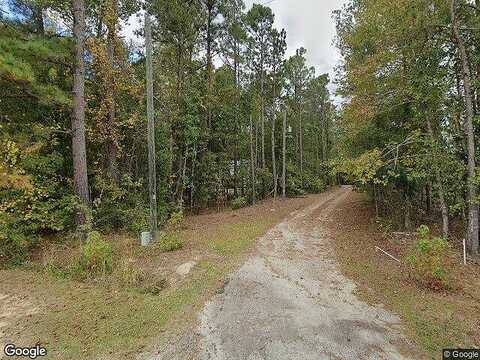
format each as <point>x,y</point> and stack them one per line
<point>289,301</point>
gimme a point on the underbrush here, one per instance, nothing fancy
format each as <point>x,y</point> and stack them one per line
<point>98,261</point>
<point>436,297</point>
<point>430,261</point>
<point>239,202</point>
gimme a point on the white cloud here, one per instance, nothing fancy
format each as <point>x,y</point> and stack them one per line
<point>308,23</point>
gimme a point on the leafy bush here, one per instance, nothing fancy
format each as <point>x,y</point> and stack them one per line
<point>15,241</point>
<point>313,184</point>
<point>97,256</point>
<point>170,242</point>
<point>294,182</point>
<point>429,260</point>
<point>176,219</point>
<point>239,203</point>
<point>119,206</point>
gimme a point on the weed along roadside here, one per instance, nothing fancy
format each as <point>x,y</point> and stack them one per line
<point>113,296</point>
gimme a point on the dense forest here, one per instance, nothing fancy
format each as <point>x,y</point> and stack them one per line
<point>409,127</point>
<point>235,119</point>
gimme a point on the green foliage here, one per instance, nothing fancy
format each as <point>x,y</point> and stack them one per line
<point>176,219</point>
<point>170,241</point>
<point>204,148</point>
<point>295,185</point>
<point>96,257</point>
<point>313,183</point>
<point>239,202</point>
<point>429,260</point>
<point>120,206</point>
<point>16,239</point>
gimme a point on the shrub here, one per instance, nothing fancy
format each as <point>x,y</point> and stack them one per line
<point>170,242</point>
<point>119,206</point>
<point>429,260</point>
<point>239,203</point>
<point>16,240</point>
<point>176,219</point>
<point>97,256</point>
<point>314,184</point>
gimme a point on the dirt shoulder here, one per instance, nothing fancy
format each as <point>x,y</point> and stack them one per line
<point>434,320</point>
<point>90,320</point>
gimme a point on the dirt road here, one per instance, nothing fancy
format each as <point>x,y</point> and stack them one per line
<point>289,301</point>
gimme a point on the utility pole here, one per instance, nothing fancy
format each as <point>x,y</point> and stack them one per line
<point>152,177</point>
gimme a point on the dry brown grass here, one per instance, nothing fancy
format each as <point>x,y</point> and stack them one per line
<point>84,320</point>
<point>433,319</point>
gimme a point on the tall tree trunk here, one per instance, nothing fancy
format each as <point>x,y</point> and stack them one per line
<point>39,24</point>
<point>152,177</point>
<point>284,155</point>
<point>274,162</point>
<point>274,165</point>
<point>324,133</point>
<point>407,206</point>
<point>79,150</point>
<point>210,4</point>
<point>252,162</point>
<point>262,111</point>
<point>301,148</point>
<point>472,233</point>
<point>438,178</point>
<point>112,148</point>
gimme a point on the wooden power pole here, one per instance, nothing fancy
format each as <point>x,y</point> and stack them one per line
<point>152,177</point>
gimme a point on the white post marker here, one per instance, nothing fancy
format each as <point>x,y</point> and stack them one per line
<point>464,252</point>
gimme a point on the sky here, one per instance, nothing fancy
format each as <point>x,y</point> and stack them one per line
<point>308,23</point>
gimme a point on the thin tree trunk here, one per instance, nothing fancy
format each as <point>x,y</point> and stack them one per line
<point>252,162</point>
<point>472,233</point>
<point>79,150</point>
<point>274,162</point>
<point>438,178</point>
<point>301,148</point>
<point>284,155</point>
<point>375,199</point>
<point>112,149</point>
<point>192,183</point>
<point>274,165</point>
<point>407,220</point>
<point>324,133</point>
<point>262,115</point>
<point>210,5</point>
<point>39,25</point>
